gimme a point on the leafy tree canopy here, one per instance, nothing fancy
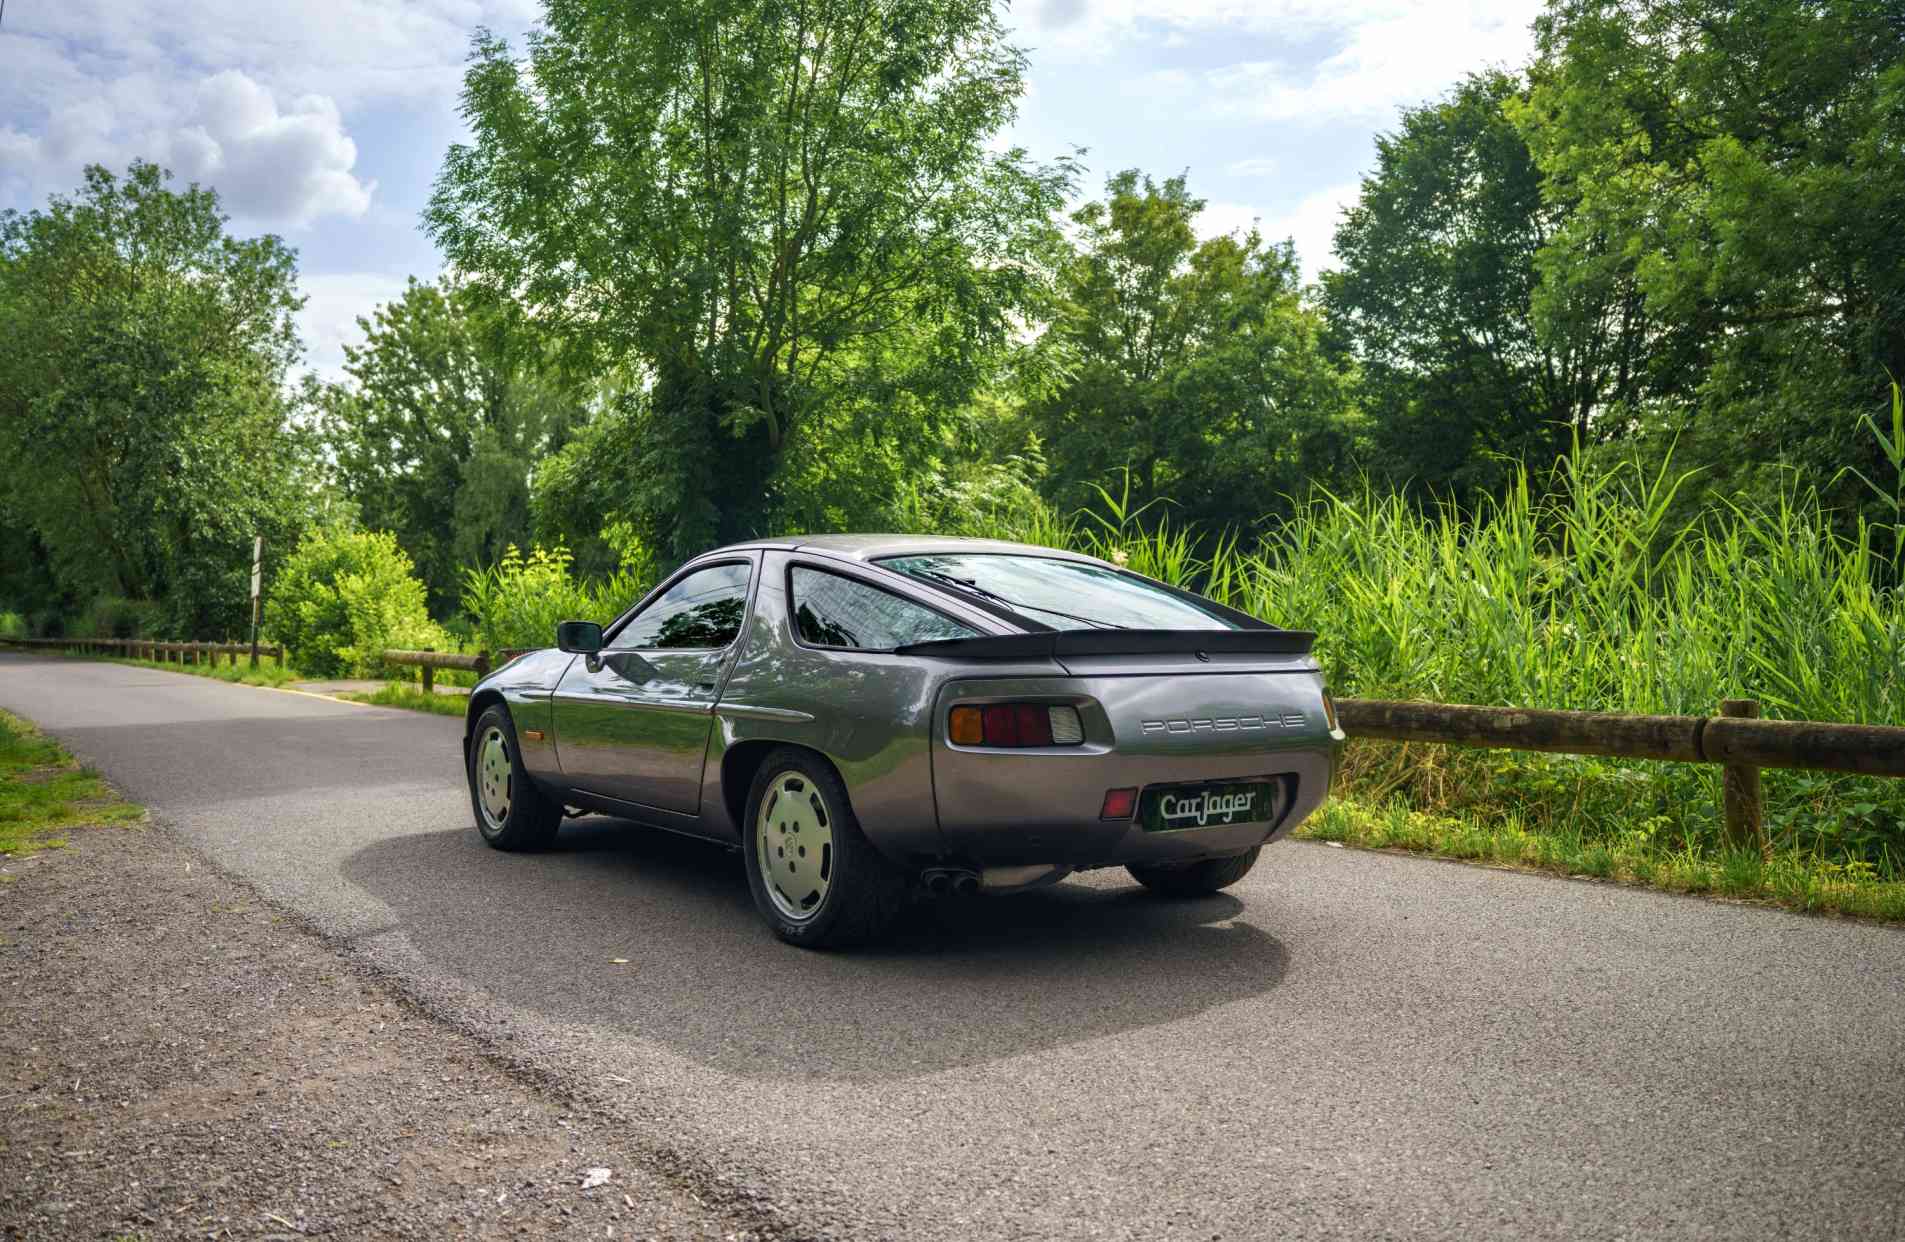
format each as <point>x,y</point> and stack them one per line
<point>742,202</point>
<point>1741,163</point>
<point>449,402</point>
<point>1196,366</point>
<point>143,379</point>
<point>1435,296</point>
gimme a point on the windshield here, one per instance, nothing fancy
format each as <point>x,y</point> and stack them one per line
<point>1066,595</point>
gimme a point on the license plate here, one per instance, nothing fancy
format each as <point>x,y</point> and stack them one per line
<point>1172,808</point>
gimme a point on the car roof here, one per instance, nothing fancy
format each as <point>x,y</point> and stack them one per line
<point>869,547</point>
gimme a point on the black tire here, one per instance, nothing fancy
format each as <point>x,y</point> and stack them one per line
<point>528,820</point>
<point>855,891</point>
<point>1198,879</point>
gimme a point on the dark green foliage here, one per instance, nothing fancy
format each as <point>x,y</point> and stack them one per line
<point>1435,299</point>
<point>142,375</point>
<point>1197,367</point>
<point>1741,165</point>
<point>108,616</point>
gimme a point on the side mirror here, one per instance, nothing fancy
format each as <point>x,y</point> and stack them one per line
<point>579,637</point>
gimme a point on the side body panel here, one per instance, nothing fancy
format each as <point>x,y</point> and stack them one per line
<point>638,732</point>
<point>871,713</point>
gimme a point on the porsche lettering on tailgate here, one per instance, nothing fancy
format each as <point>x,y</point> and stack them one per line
<point>1226,724</point>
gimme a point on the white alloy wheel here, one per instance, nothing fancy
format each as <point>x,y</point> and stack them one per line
<point>493,778</point>
<point>794,833</point>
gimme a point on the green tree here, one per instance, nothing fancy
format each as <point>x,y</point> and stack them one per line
<point>450,402</point>
<point>143,380</point>
<point>1196,366</point>
<point>1435,298</point>
<point>746,204</point>
<point>1741,164</point>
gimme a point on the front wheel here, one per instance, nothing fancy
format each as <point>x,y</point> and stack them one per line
<point>815,877</point>
<point>511,812</point>
<point>1198,879</point>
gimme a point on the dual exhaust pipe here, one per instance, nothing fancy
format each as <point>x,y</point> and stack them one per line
<point>942,880</point>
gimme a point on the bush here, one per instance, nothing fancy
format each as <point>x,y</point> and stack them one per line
<point>110,616</point>
<point>12,625</point>
<point>342,598</point>
<point>516,603</point>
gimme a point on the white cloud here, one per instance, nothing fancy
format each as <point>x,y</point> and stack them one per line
<point>1218,219</point>
<point>1355,59</point>
<point>1311,224</point>
<point>1389,61</point>
<point>332,306</point>
<point>272,167</point>
<point>293,165</point>
<point>251,98</point>
<point>1255,166</point>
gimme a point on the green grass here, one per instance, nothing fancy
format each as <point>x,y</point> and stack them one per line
<point>44,793</point>
<point>268,673</point>
<point>397,694</point>
<point>1790,878</point>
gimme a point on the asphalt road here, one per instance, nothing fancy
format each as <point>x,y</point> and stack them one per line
<point>1346,1044</point>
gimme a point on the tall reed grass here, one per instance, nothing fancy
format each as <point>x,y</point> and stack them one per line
<point>1579,594</point>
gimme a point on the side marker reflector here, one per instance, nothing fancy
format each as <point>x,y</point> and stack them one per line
<point>1119,804</point>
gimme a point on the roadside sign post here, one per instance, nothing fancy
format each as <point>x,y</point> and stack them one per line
<point>257,572</point>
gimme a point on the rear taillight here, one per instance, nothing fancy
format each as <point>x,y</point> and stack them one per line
<point>1329,711</point>
<point>1015,724</point>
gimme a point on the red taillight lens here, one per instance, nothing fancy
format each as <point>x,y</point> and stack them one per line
<point>1119,804</point>
<point>1015,724</point>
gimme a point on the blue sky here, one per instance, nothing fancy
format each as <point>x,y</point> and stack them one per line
<point>325,120</point>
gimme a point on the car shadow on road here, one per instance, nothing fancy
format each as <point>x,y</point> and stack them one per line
<point>960,982</point>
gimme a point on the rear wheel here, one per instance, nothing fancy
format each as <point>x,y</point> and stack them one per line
<point>815,877</point>
<point>1198,879</point>
<point>511,813</point>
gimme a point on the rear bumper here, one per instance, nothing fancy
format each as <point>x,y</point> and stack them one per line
<point>1005,807</point>
<point>1044,809</point>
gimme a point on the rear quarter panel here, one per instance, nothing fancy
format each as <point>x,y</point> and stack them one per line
<point>870,713</point>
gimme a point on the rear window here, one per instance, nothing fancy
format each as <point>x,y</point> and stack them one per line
<point>832,611</point>
<point>1066,595</point>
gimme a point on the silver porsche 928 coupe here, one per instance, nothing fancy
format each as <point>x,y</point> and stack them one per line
<point>868,716</point>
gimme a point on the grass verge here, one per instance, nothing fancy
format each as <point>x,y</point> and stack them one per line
<point>397,694</point>
<point>44,792</point>
<point>268,673</point>
<point>1792,879</point>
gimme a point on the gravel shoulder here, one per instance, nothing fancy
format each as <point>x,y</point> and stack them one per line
<point>184,1060</point>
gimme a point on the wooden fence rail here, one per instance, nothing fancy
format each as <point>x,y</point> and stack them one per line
<point>1736,739</point>
<point>152,649</point>
<point>430,661</point>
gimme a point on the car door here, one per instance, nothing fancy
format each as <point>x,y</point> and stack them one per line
<point>632,723</point>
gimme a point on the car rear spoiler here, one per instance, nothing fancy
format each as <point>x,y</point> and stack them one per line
<point>1059,643</point>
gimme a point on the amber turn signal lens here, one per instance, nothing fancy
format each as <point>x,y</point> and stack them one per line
<point>1119,803</point>
<point>967,727</point>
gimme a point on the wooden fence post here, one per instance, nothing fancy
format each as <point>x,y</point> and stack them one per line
<point>1739,784</point>
<point>429,676</point>
<point>482,665</point>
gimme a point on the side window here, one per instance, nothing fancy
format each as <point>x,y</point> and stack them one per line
<point>832,611</point>
<point>703,610</point>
